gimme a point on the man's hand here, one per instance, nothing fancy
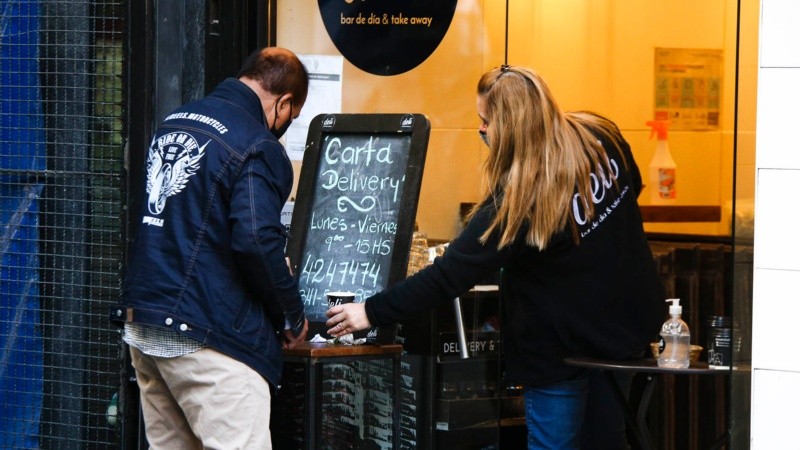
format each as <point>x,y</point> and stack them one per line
<point>346,319</point>
<point>292,341</point>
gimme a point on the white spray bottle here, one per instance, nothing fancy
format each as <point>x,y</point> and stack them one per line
<point>662,167</point>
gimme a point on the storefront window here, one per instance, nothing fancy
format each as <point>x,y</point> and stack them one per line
<point>692,63</point>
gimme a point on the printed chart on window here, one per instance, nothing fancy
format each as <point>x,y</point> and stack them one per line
<point>688,88</point>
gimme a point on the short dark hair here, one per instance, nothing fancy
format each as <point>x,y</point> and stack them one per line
<point>277,71</point>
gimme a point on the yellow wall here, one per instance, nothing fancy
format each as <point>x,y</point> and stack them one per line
<point>594,55</point>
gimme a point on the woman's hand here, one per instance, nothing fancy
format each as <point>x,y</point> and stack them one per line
<point>346,319</point>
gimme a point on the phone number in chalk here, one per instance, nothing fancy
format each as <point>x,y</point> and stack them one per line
<point>318,296</point>
<point>320,271</point>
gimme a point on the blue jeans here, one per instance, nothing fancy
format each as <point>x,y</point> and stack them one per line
<point>574,414</point>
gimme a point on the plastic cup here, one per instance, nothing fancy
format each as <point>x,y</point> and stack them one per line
<point>722,340</point>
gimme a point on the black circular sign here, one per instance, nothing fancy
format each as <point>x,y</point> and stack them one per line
<point>387,37</point>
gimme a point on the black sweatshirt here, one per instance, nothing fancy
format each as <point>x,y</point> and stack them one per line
<point>602,298</point>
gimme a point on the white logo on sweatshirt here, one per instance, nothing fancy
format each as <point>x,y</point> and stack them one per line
<point>599,184</point>
<point>172,159</point>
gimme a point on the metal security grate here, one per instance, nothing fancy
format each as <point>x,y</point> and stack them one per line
<point>62,128</point>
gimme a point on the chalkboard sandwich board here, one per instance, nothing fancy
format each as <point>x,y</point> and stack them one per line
<point>354,213</point>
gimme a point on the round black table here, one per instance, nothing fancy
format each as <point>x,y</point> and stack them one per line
<point>650,368</point>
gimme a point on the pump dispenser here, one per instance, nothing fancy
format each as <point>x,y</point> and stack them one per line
<point>662,167</point>
<point>676,336</point>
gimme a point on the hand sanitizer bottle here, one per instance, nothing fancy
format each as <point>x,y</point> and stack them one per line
<point>675,333</point>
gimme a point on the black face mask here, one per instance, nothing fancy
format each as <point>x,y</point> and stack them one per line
<point>484,137</point>
<point>279,132</point>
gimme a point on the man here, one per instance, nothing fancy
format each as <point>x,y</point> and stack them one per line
<point>209,300</point>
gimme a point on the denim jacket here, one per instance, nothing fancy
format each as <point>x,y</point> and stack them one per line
<point>208,260</point>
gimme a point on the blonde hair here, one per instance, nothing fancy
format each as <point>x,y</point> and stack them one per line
<point>540,156</point>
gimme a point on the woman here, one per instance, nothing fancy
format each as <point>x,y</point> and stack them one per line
<point>560,218</point>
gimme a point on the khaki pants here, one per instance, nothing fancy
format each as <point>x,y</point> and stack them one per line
<point>203,400</point>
